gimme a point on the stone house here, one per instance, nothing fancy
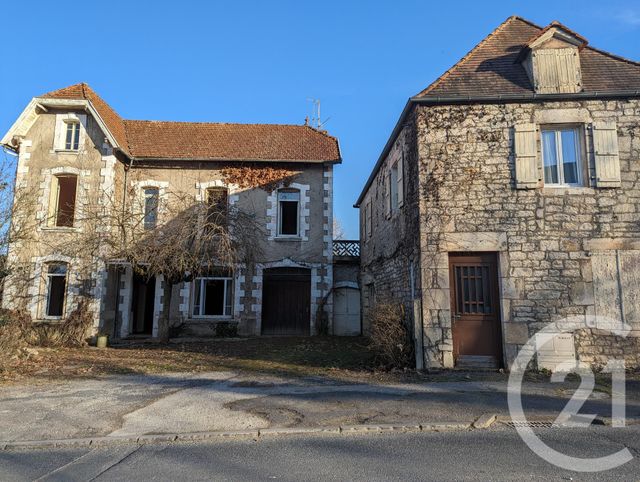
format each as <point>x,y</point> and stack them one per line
<point>75,152</point>
<point>508,197</point>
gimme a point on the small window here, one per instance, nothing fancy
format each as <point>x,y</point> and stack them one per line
<point>213,296</point>
<point>64,200</point>
<point>72,137</point>
<point>217,206</point>
<point>288,212</point>
<point>393,187</point>
<point>367,219</point>
<point>56,289</point>
<point>561,155</point>
<point>151,197</point>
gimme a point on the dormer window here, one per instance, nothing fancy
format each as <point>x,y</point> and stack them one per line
<point>552,60</point>
<point>72,139</point>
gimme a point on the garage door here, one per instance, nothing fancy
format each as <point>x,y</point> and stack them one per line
<point>286,301</point>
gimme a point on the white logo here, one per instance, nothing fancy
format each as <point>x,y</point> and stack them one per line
<point>570,414</point>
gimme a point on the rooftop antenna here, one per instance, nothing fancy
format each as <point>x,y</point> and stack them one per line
<point>316,121</point>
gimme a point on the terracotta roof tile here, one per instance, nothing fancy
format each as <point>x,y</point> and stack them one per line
<point>213,141</point>
<point>490,68</point>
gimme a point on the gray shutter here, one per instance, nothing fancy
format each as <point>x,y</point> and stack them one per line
<point>605,144</point>
<point>526,156</point>
<point>387,194</point>
<point>401,180</point>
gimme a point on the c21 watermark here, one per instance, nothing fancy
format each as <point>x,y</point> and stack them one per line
<point>570,415</point>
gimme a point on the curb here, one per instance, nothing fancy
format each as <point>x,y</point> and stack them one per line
<point>91,442</point>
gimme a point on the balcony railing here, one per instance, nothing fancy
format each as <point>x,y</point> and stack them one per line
<point>346,248</point>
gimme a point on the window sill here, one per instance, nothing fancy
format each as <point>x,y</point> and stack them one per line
<point>66,151</point>
<point>49,319</point>
<point>197,319</point>
<point>287,238</point>
<point>562,190</point>
<point>61,229</point>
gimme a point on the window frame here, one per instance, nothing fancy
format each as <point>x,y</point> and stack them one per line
<point>297,234</point>
<point>579,149</point>
<point>198,283</point>
<point>394,192</point>
<point>208,202</point>
<point>147,224</point>
<point>72,145</point>
<point>48,279</point>
<point>55,211</point>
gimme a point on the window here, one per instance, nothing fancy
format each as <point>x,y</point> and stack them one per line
<point>288,212</point>
<point>212,296</point>
<point>217,206</point>
<point>367,219</point>
<point>151,197</point>
<point>56,289</point>
<point>561,156</point>
<point>63,192</point>
<point>72,136</point>
<point>393,187</point>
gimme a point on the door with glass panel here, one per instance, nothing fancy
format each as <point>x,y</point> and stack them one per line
<point>475,310</point>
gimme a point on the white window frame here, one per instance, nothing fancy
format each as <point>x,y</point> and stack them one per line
<point>48,277</point>
<point>54,203</point>
<point>76,130</point>
<point>198,284</point>
<point>298,202</point>
<point>560,166</point>
<point>60,135</point>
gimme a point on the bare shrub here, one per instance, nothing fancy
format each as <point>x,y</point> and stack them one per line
<point>72,332</point>
<point>13,328</point>
<point>391,340</point>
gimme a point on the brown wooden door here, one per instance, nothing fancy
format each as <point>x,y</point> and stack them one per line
<point>286,301</point>
<point>475,310</point>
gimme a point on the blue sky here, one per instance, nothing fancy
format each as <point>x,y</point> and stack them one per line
<point>259,61</point>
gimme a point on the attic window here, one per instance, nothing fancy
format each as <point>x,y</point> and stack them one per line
<point>556,70</point>
<point>72,136</point>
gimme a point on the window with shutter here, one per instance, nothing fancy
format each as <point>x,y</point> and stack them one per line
<point>387,195</point>
<point>401,181</point>
<point>526,157</point>
<point>607,160</point>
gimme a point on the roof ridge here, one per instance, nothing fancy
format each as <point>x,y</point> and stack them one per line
<point>216,123</point>
<point>460,62</point>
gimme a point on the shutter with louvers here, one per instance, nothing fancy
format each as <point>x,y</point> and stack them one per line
<point>607,160</point>
<point>526,156</point>
<point>387,194</point>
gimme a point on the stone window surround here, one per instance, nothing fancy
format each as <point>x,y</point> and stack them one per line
<point>36,289</point>
<point>61,132</point>
<point>82,189</point>
<point>139,187</point>
<point>272,213</point>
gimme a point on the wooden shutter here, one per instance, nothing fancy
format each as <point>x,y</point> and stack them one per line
<point>556,70</point>
<point>605,143</point>
<point>526,156</point>
<point>387,194</point>
<point>401,180</point>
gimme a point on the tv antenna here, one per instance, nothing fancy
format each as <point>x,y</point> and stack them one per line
<point>316,120</point>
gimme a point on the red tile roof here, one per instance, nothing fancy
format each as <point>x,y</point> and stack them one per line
<point>208,141</point>
<point>490,68</point>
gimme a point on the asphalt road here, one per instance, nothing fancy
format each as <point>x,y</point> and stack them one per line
<point>496,454</point>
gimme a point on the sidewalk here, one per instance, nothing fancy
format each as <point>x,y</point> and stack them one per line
<point>138,405</point>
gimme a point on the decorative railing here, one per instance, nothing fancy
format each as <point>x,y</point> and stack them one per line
<point>346,248</point>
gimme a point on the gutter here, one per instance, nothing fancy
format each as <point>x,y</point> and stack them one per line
<point>480,99</point>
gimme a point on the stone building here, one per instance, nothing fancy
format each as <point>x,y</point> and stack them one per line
<point>75,153</point>
<point>507,198</point>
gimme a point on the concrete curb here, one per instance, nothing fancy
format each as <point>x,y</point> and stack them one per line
<point>90,442</point>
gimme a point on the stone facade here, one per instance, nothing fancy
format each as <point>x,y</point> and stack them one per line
<point>107,180</point>
<point>550,242</point>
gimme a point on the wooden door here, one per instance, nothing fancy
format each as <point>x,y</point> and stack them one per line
<point>142,304</point>
<point>286,301</point>
<point>346,312</point>
<point>475,309</point>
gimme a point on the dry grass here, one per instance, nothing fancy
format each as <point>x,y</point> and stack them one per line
<point>333,357</point>
<point>391,341</point>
